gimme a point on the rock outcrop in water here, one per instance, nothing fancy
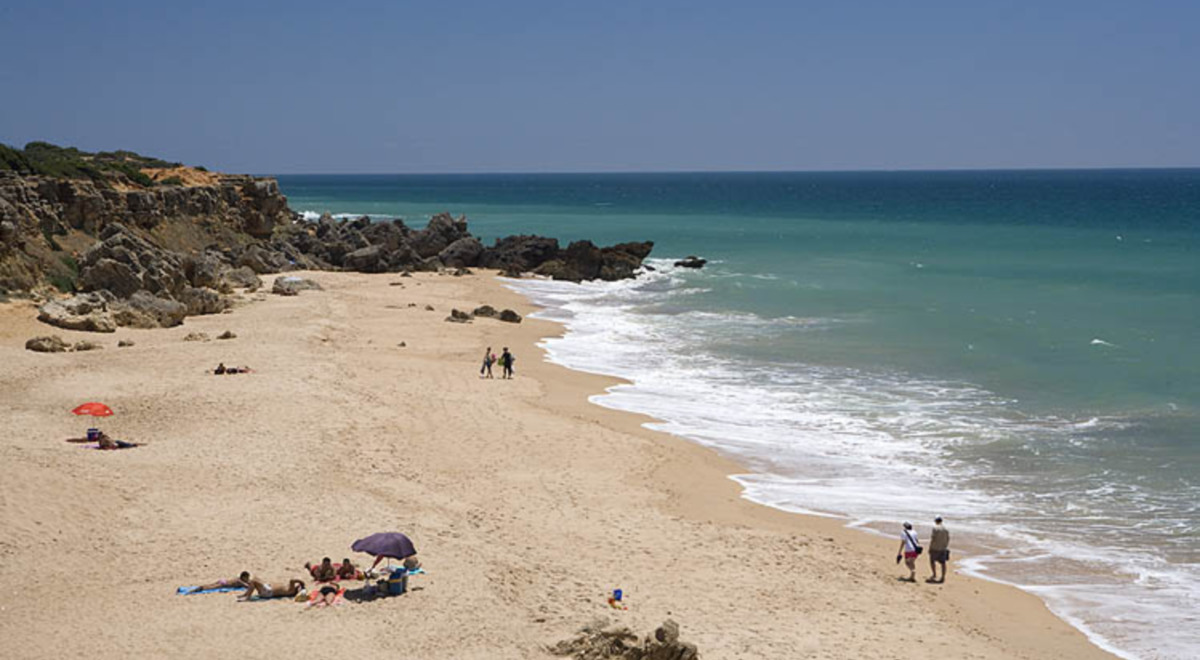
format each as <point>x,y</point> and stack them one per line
<point>148,248</point>
<point>691,261</point>
<point>381,247</point>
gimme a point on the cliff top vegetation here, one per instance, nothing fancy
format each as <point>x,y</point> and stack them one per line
<point>68,162</point>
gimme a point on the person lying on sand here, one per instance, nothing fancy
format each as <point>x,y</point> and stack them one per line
<point>323,573</point>
<point>241,582</point>
<point>108,443</point>
<point>326,597</point>
<point>348,571</point>
<point>222,370</point>
<point>271,590</point>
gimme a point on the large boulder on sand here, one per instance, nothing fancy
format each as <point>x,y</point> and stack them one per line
<point>443,229</point>
<point>85,311</point>
<point>457,316</point>
<point>205,270</point>
<point>241,277</point>
<point>201,300</point>
<point>509,316</point>
<point>366,260</point>
<point>462,253</point>
<point>146,310</point>
<point>262,261</point>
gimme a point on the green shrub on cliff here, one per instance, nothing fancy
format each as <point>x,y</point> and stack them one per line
<point>12,159</point>
<point>68,162</point>
<point>64,280</point>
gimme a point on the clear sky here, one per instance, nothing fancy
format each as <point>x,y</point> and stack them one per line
<point>563,85</point>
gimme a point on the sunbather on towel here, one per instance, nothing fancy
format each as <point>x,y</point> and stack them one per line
<point>326,597</point>
<point>242,581</point>
<point>323,573</point>
<point>222,370</point>
<point>348,571</point>
<point>271,590</point>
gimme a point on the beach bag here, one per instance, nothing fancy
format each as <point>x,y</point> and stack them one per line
<point>916,545</point>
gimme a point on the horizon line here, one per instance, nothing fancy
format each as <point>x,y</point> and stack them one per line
<point>1132,168</point>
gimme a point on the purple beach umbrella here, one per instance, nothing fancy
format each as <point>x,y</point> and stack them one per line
<point>386,544</point>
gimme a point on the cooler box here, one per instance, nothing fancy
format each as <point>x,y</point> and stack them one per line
<point>397,582</point>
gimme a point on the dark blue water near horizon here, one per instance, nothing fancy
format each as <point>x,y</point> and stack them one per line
<point>1017,348</point>
<point>1162,198</point>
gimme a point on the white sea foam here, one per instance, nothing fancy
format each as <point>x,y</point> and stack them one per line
<point>313,216</point>
<point>879,446</point>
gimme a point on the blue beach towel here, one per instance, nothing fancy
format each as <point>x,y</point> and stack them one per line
<point>419,571</point>
<point>187,591</point>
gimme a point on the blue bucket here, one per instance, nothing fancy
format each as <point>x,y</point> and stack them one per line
<point>93,435</point>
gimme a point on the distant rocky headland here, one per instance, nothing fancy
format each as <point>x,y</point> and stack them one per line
<point>118,239</point>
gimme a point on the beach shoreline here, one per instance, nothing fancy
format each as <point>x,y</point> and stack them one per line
<point>527,502</point>
<point>730,468</point>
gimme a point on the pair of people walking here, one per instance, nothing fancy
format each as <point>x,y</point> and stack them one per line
<point>939,550</point>
<point>506,360</point>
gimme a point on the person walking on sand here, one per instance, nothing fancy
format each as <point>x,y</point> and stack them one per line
<point>488,359</point>
<point>910,549</point>
<point>939,550</point>
<point>506,362</point>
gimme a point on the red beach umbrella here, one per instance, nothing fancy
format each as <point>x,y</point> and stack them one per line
<point>94,409</point>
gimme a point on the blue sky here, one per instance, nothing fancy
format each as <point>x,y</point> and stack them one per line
<point>601,86</point>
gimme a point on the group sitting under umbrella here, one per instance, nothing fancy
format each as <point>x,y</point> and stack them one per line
<point>389,545</point>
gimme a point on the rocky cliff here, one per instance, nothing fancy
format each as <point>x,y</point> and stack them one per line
<point>149,251</point>
<point>48,223</point>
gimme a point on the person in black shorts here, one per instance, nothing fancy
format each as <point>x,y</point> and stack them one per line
<point>506,362</point>
<point>939,550</point>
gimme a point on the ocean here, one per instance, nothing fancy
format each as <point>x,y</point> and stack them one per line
<point>1012,350</point>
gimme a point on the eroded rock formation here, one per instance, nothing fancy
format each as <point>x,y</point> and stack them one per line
<point>600,641</point>
<point>149,255</point>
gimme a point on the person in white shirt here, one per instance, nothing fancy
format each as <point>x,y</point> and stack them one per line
<point>909,550</point>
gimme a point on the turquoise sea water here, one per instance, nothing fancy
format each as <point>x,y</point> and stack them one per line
<point>1015,351</point>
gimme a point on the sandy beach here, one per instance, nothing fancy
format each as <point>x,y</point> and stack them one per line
<point>527,504</point>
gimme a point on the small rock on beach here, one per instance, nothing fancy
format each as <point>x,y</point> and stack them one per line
<point>48,344</point>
